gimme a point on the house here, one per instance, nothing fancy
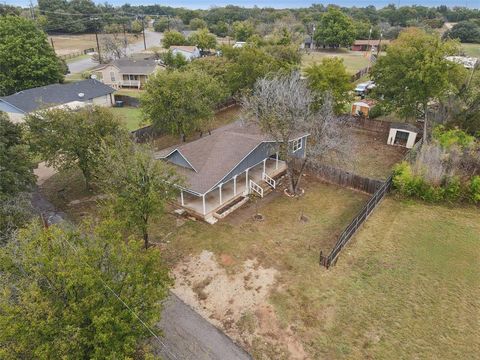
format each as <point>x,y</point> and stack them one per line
<point>127,72</point>
<point>366,45</point>
<point>72,95</point>
<point>362,108</point>
<point>221,169</point>
<point>466,61</point>
<point>189,52</point>
<point>402,134</point>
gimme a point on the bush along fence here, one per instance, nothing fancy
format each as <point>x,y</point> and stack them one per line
<point>359,219</point>
<point>360,73</point>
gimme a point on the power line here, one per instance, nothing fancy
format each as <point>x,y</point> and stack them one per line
<point>75,250</point>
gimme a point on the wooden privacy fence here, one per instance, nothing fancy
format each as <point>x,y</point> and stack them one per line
<point>350,230</point>
<point>360,73</point>
<point>346,179</point>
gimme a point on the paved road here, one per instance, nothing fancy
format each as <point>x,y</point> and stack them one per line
<point>187,335</point>
<point>152,38</point>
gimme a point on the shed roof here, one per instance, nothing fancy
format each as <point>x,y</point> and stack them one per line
<point>57,94</point>
<point>214,156</point>
<point>404,126</point>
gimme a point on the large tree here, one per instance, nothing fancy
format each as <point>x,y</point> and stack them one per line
<point>26,58</point>
<point>414,72</point>
<point>335,29</point>
<point>138,185</point>
<point>78,294</point>
<point>16,178</point>
<point>282,107</point>
<point>171,38</point>
<point>16,165</point>
<point>465,31</point>
<point>68,139</point>
<point>181,102</point>
<point>203,39</point>
<point>331,75</point>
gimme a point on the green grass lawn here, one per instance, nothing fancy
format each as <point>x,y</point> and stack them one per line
<point>130,116</point>
<point>405,288</point>
<point>472,50</point>
<point>353,60</point>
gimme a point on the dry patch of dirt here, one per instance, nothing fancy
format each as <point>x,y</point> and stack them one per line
<point>237,303</point>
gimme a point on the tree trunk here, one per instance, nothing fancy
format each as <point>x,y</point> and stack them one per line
<point>297,183</point>
<point>425,137</point>
<point>145,238</point>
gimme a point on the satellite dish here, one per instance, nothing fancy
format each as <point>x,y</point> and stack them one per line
<point>81,95</point>
<point>93,76</point>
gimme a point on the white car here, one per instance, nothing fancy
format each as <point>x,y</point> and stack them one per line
<point>364,88</point>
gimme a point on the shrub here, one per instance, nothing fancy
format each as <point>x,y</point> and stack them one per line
<point>452,190</point>
<point>474,189</point>
<point>448,138</point>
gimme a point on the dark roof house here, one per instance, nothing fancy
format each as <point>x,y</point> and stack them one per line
<point>232,162</point>
<point>75,94</point>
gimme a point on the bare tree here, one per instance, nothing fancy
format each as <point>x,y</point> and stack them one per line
<point>282,108</point>
<point>113,46</point>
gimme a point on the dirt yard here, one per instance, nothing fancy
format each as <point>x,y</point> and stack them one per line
<point>370,156</point>
<point>68,43</point>
<point>242,274</point>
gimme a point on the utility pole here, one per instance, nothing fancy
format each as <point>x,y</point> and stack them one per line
<point>143,30</point>
<point>96,38</point>
<point>168,22</point>
<point>32,10</point>
<point>125,42</point>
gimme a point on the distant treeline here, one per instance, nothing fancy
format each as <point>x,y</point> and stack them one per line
<point>77,16</point>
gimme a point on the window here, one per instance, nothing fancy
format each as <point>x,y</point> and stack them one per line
<point>296,145</point>
<point>112,76</point>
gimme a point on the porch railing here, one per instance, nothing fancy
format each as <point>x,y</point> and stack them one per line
<point>269,180</point>
<point>257,188</point>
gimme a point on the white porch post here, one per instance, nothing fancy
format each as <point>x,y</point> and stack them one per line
<point>276,160</point>
<point>204,208</point>
<point>246,182</point>
<point>181,197</point>
<point>264,165</point>
<point>235,185</point>
<point>220,189</point>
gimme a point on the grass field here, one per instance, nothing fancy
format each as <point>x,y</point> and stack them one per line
<point>130,116</point>
<point>353,60</point>
<point>405,288</point>
<point>472,50</point>
<point>69,43</point>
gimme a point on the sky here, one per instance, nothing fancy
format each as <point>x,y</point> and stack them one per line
<point>205,4</point>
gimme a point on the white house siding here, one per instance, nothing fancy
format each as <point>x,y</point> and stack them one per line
<point>102,100</point>
<point>16,118</point>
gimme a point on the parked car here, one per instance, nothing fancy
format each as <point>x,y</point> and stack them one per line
<point>364,88</point>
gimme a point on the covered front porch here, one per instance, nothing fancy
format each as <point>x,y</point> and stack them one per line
<point>227,196</point>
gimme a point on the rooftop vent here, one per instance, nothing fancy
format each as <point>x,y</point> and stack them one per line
<point>81,95</point>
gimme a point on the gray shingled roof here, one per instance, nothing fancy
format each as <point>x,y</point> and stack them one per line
<point>57,94</point>
<point>214,156</point>
<point>132,65</point>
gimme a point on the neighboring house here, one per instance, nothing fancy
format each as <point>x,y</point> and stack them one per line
<point>402,134</point>
<point>363,107</point>
<point>127,72</point>
<point>466,61</point>
<point>366,45</point>
<point>221,169</point>
<point>189,52</point>
<point>308,43</point>
<point>72,95</point>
